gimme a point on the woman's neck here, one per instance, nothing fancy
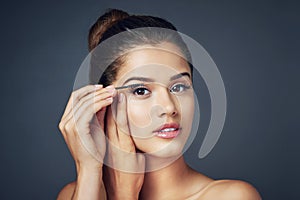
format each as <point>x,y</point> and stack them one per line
<point>167,181</point>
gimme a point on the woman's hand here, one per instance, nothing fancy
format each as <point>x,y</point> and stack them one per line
<point>82,126</point>
<point>125,175</point>
<point>79,126</point>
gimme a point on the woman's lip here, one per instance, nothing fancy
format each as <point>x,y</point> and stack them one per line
<point>168,125</point>
<point>168,130</point>
<point>168,134</point>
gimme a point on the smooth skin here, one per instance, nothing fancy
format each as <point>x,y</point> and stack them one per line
<point>87,145</point>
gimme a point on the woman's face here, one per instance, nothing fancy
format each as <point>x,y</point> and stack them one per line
<point>160,110</point>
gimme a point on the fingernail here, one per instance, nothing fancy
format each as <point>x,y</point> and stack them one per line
<point>110,89</point>
<point>98,86</point>
<point>109,99</point>
<point>121,97</point>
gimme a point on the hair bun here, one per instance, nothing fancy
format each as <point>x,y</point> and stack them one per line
<point>103,23</point>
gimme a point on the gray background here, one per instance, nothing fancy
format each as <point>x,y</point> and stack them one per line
<point>255,44</point>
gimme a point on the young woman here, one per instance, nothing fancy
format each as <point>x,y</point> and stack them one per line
<point>137,119</point>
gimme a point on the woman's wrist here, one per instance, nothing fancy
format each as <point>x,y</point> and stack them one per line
<point>87,169</point>
<point>89,184</point>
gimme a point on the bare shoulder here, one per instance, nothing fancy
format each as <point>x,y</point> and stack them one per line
<point>67,191</point>
<point>230,190</point>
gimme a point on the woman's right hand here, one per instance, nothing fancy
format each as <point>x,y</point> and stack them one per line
<point>82,128</point>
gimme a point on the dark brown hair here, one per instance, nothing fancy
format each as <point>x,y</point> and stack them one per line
<point>135,26</point>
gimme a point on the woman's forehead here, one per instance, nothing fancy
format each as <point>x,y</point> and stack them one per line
<point>154,72</point>
<point>154,62</point>
<point>164,53</point>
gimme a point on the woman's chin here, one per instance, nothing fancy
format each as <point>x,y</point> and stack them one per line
<point>162,148</point>
<point>170,150</point>
<point>165,154</point>
<point>162,158</point>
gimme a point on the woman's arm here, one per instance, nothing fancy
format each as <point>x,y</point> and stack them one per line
<point>88,185</point>
<point>86,140</point>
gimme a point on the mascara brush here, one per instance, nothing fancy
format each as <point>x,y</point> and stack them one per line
<point>129,86</point>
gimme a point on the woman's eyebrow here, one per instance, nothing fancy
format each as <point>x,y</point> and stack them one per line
<point>180,75</point>
<point>144,79</point>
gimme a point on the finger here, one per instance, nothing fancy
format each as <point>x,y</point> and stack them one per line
<point>95,97</point>
<point>111,128</point>
<point>79,121</point>
<point>88,133</point>
<point>125,139</point>
<point>101,115</point>
<point>99,139</point>
<point>141,163</point>
<point>78,94</point>
<point>87,111</point>
<point>121,113</point>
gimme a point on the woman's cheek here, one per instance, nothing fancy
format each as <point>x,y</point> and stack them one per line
<point>187,106</point>
<point>139,115</point>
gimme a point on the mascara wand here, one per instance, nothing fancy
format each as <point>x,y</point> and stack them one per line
<point>129,86</point>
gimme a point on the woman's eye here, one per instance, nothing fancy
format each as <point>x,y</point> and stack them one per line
<point>141,91</point>
<point>179,88</point>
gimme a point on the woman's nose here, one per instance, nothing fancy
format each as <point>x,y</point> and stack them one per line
<point>167,103</point>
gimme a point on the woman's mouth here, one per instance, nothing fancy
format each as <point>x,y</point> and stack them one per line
<point>168,131</point>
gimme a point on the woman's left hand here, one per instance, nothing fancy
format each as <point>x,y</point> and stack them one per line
<point>125,175</point>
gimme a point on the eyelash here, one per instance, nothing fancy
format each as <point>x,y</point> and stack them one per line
<point>184,86</point>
